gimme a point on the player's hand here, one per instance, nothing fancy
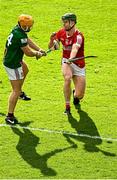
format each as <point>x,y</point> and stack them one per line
<point>68,62</point>
<point>43,52</point>
<point>38,55</point>
<point>52,37</point>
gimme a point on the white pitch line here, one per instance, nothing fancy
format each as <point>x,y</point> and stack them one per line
<point>61,132</point>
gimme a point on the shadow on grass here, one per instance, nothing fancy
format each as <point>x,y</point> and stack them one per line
<point>86,126</point>
<point>2,114</point>
<point>27,149</point>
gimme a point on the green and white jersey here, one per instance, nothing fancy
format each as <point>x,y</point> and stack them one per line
<point>13,53</point>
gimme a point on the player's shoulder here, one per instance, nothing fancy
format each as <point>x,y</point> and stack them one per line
<point>18,33</point>
<point>78,32</point>
<point>61,31</point>
<point>60,34</point>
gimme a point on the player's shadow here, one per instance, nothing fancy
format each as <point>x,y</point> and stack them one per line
<point>27,149</point>
<point>2,114</point>
<point>86,127</point>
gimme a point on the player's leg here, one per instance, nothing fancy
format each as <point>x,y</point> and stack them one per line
<point>80,84</point>
<point>16,90</point>
<point>25,72</point>
<point>67,74</point>
<point>16,78</point>
<point>13,98</point>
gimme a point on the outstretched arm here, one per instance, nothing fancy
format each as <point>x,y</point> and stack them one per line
<point>29,52</point>
<point>33,45</point>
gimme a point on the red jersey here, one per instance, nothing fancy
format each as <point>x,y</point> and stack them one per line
<point>68,41</point>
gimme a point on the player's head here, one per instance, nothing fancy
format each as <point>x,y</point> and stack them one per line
<point>69,20</point>
<point>25,22</point>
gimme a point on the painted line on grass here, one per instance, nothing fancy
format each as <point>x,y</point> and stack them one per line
<point>61,132</point>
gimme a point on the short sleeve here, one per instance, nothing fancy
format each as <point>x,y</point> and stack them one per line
<point>58,35</point>
<point>23,42</point>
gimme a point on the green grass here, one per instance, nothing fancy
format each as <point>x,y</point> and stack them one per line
<point>35,154</point>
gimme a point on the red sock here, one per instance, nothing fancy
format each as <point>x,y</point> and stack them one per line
<point>67,105</point>
<point>10,114</point>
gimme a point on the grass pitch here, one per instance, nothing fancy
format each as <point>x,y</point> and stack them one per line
<point>34,154</point>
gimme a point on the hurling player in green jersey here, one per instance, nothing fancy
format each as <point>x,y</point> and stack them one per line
<point>17,45</point>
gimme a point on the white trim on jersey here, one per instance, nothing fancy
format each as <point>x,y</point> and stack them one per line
<point>79,40</point>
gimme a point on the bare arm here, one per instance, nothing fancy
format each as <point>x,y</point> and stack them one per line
<point>76,46</point>
<point>29,52</point>
<point>33,45</point>
<point>51,42</point>
<point>74,51</point>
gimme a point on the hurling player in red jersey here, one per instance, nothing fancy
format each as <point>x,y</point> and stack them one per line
<point>73,47</point>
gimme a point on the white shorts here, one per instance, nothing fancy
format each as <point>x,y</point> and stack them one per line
<point>15,74</point>
<point>76,71</point>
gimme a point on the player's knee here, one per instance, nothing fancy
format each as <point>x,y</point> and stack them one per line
<point>67,78</point>
<point>79,95</point>
<point>16,93</point>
